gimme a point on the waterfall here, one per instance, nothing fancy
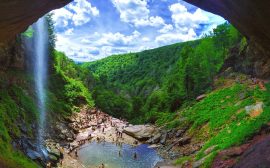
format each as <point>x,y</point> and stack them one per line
<point>40,66</point>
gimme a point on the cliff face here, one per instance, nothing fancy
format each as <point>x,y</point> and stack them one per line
<point>16,15</point>
<point>11,55</point>
<point>251,18</point>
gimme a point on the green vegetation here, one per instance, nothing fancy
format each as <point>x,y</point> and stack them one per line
<point>157,82</point>
<point>221,119</point>
<point>71,74</point>
<point>16,106</point>
<point>29,32</point>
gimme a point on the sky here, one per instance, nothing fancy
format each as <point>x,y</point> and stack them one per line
<point>89,30</point>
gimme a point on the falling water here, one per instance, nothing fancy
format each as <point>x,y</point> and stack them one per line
<point>40,54</point>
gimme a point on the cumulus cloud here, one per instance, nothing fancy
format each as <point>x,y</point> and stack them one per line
<point>170,38</point>
<point>137,13</point>
<point>113,39</point>
<point>128,26</point>
<point>97,45</point>
<point>69,32</point>
<point>185,20</point>
<point>76,50</point>
<point>77,13</point>
<point>166,28</point>
<point>61,17</point>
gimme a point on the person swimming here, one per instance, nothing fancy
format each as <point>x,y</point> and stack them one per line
<point>119,154</point>
<point>135,156</point>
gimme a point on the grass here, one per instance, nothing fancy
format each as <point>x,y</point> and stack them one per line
<point>221,120</point>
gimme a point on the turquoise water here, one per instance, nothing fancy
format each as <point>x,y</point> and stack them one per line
<point>94,154</point>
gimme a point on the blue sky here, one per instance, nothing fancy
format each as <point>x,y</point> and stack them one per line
<point>89,30</point>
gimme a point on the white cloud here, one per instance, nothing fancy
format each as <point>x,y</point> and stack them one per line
<point>83,11</point>
<point>151,21</point>
<point>97,46</point>
<point>166,28</point>
<point>137,13</point>
<point>184,20</point>
<point>137,28</point>
<point>112,39</point>
<point>173,37</point>
<point>69,32</point>
<point>145,39</point>
<point>61,17</point>
<point>78,13</point>
<point>75,50</point>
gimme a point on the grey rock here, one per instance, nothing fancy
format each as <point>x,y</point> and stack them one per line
<point>33,154</point>
<point>154,139</point>
<point>140,132</point>
<point>199,163</point>
<point>164,138</point>
<point>179,133</point>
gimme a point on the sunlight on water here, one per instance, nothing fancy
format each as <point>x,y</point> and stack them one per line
<point>94,154</point>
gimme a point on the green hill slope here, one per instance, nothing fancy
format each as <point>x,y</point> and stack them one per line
<point>160,80</point>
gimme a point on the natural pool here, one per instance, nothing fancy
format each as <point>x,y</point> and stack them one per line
<point>94,154</point>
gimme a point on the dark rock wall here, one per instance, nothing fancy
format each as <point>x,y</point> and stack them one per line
<point>12,55</point>
<point>17,15</point>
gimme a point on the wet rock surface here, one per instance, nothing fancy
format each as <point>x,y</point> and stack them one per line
<point>141,132</point>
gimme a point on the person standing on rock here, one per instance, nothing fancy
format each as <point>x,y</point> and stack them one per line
<point>76,153</point>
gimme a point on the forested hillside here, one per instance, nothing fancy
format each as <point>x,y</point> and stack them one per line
<point>141,86</point>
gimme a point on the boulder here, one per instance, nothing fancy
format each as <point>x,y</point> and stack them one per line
<point>52,150</point>
<point>184,141</point>
<point>257,155</point>
<point>254,110</point>
<point>33,154</point>
<point>154,139</point>
<point>141,132</point>
<point>179,133</point>
<point>199,98</point>
<point>164,138</point>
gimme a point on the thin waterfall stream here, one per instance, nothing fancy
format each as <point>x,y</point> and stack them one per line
<point>40,73</point>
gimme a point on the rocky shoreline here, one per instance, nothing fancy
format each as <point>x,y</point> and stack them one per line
<point>93,125</point>
<point>65,137</point>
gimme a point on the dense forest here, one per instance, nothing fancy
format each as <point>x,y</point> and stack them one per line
<point>142,86</point>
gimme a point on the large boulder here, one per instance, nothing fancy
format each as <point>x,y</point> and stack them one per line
<point>141,132</point>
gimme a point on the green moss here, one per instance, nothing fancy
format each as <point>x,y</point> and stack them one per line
<point>29,32</point>
<point>10,111</point>
<point>182,160</point>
